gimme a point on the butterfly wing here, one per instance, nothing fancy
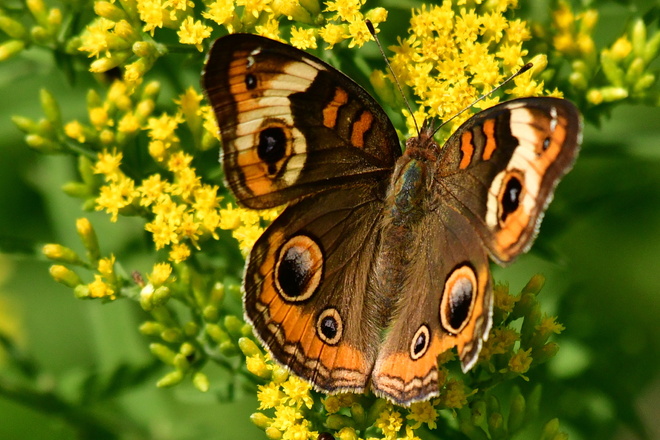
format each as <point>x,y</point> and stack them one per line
<point>444,301</point>
<point>306,288</point>
<point>291,124</point>
<point>292,127</point>
<point>501,167</point>
<point>490,187</point>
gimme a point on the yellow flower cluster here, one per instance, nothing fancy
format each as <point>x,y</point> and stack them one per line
<point>285,402</point>
<point>116,38</point>
<point>572,33</point>
<point>183,210</point>
<point>614,73</point>
<point>454,53</point>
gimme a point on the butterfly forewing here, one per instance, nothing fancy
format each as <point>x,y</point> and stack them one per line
<point>291,124</point>
<point>500,168</point>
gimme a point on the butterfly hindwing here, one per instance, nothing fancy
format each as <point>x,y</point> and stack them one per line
<point>444,300</point>
<point>306,288</point>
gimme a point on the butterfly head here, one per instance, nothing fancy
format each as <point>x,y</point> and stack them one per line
<point>424,144</point>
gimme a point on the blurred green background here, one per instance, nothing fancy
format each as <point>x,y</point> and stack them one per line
<point>599,249</point>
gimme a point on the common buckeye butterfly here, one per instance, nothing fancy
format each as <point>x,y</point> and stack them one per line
<point>379,263</point>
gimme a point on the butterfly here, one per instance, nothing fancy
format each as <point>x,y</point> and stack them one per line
<point>380,261</point>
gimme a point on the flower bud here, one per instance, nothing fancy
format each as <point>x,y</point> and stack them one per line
<point>162,352</point>
<point>228,348</point>
<point>261,420</point>
<point>651,48</point>
<point>249,347</point>
<point>339,421</point>
<point>638,37</point>
<point>170,379</point>
<point>496,425</point>
<point>151,328</point>
<point>643,83</point>
<point>233,325</point>
<point>479,412</point>
<point>516,412</point>
<point>89,239</point>
<point>273,433</point>
<point>109,11</point>
<point>181,362</point>
<point>171,335</point>
<point>201,381</point>
<point>26,125</point>
<point>13,28</point>
<point>65,276</point>
<point>62,254</point>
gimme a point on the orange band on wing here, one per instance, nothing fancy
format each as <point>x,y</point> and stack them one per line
<point>467,150</point>
<point>331,110</point>
<point>360,127</point>
<point>491,143</point>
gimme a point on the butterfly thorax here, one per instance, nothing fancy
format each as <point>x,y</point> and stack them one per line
<point>410,191</point>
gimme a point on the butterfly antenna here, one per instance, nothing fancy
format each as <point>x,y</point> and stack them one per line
<point>520,71</point>
<point>372,30</point>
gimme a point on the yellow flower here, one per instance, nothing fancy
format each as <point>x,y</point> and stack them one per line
<point>550,325</point>
<point>521,361</point>
<point>286,417</point>
<point>247,236</point>
<point>257,365</point>
<point>193,32</point>
<point>271,29</point>
<point>331,404</point>
<point>163,128</point>
<point>179,252</point>
<point>389,422</point>
<point>220,11</point>
<point>99,117</point>
<point>410,434</point>
<point>333,34</point>
<point>500,341</point>
<point>187,181</point>
<point>106,266</point>
<point>422,412</point>
<point>453,394</point>
<point>118,194</point>
<point>297,391</point>
<point>100,289</point>
<point>179,161</point>
<point>300,431</point>
<point>179,5</point>
<point>108,165</point>
<point>346,10</point>
<point>94,39</point>
<point>74,130</point>
<point>269,395</point>
<point>255,7</point>
<point>160,274</point>
<point>621,48</point>
<point>303,38</point>
<point>454,55</point>
<point>129,123</point>
<point>359,33</point>
<point>152,189</point>
<point>153,14</point>
<point>206,198</point>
